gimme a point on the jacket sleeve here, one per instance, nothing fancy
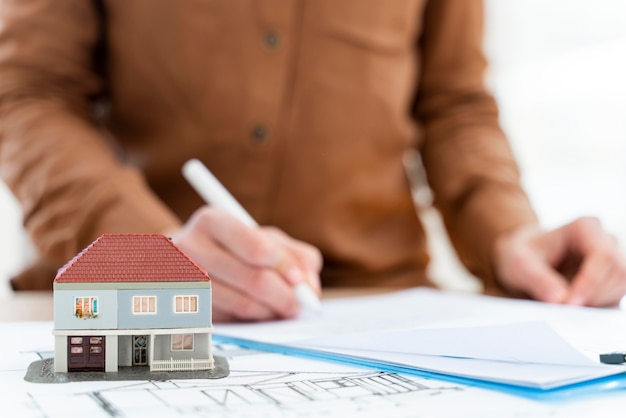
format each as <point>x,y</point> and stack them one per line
<point>55,159</point>
<point>469,163</point>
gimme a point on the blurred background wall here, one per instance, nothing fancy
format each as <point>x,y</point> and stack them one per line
<point>558,71</point>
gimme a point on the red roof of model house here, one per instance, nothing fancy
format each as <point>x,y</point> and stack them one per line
<point>131,258</point>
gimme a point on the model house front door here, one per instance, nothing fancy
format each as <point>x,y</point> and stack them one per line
<point>140,350</point>
<point>85,353</point>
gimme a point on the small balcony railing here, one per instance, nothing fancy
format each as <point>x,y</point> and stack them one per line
<point>172,365</point>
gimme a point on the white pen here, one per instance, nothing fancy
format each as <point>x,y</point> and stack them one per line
<point>216,195</point>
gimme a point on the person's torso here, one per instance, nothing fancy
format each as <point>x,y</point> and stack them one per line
<point>301,108</point>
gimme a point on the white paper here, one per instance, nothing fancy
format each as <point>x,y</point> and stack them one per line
<point>526,342</point>
<point>472,336</point>
<point>267,385</point>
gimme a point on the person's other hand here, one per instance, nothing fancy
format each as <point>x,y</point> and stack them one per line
<point>578,264</point>
<point>253,270</point>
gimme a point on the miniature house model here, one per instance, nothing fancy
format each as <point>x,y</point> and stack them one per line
<point>132,300</point>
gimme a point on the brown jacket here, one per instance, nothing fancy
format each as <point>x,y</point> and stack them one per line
<point>302,108</point>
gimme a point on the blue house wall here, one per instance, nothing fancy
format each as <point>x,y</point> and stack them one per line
<point>165,317</point>
<point>64,309</point>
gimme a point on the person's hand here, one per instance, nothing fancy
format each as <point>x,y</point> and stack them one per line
<point>253,270</point>
<point>578,264</point>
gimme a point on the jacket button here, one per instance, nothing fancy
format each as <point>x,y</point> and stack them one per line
<point>259,133</point>
<point>271,40</point>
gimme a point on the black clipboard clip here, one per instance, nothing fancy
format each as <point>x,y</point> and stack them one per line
<point>613,358</point>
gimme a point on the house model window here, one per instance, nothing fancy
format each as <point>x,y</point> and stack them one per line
<point>186,304</point>
<point>144,305</point>
<point>85,307</point>
<point>182,342</point>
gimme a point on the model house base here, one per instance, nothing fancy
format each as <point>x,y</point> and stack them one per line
<point>42,371</point>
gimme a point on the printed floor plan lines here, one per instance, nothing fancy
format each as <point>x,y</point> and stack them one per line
<point>259,385</point>
<point>307,388</point>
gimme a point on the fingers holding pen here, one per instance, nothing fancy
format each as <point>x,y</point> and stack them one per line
<point>232,229</point>
<point>253,272</point>
<point>264,247</point>
<point>247,293</point>
<point>308,257</point>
